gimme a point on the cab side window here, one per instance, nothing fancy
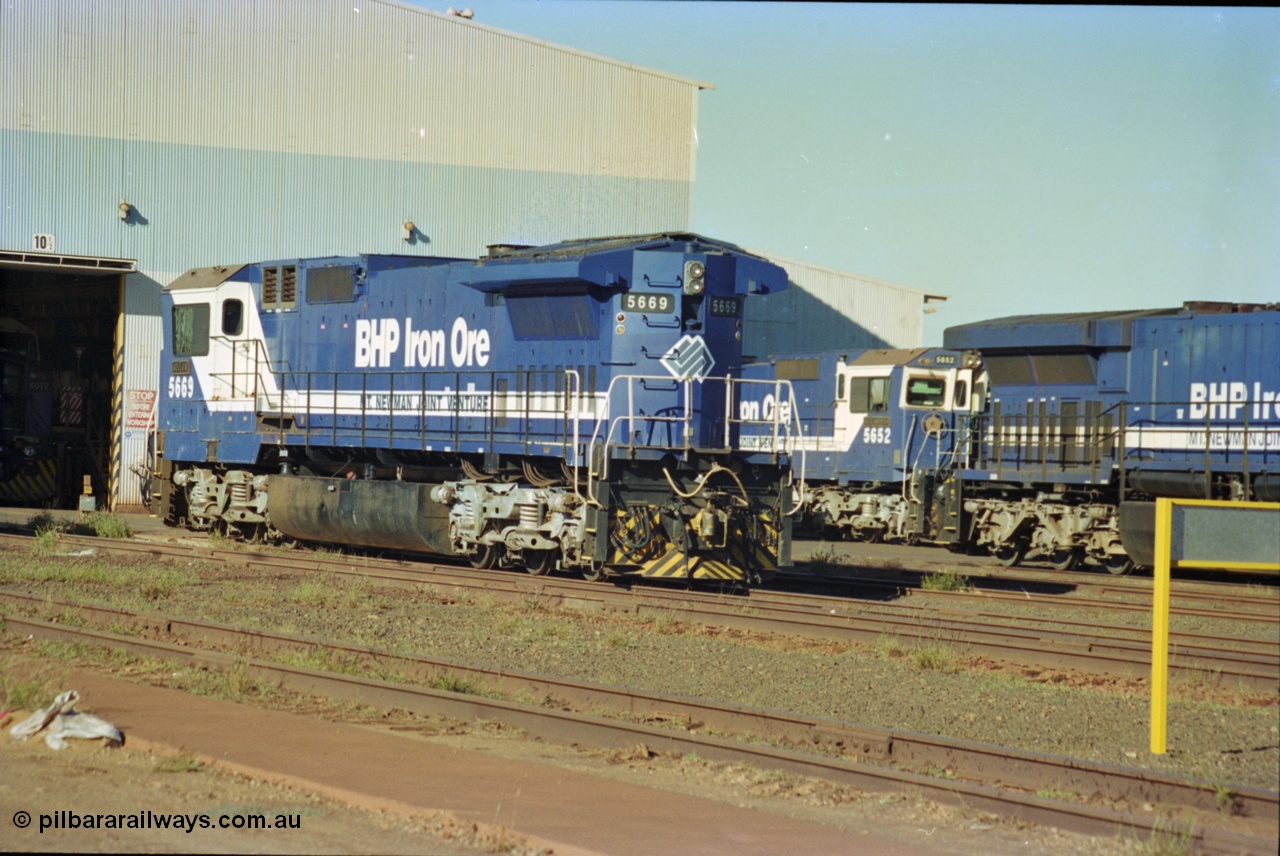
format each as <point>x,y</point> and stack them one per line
<point>868,394</point>
<point>232,317</point>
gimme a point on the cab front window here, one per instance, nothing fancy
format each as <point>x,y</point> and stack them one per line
<point>191,330</point>
<point>926,391</point>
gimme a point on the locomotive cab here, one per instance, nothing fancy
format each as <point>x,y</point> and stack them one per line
<point>880,426</point>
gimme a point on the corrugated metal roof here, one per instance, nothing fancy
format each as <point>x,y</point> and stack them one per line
<point>545,44</point>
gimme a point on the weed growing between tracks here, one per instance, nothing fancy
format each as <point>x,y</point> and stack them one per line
<point>1168,839</point>
<point>931,656</point>
<point>949,580</point>
<point>327,591</point>
<point>102,524</point>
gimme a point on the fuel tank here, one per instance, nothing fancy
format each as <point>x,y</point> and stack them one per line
<point>1180,485</point>
<point>1138,531</point>
<point>1266,487</point>
<point>390,514</point>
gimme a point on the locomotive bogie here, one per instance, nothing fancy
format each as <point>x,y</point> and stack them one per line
<point>513,523</point>
<point>222,497</point>
<point>859,516</point>
<point>1036,527</point>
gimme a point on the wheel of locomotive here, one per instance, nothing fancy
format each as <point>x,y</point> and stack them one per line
<point>539,562</point>
<point>593,573</point>
<point>1010,555</point>
<point>487,556</point>
<point>1118,565</point>
<point>1065,560</point>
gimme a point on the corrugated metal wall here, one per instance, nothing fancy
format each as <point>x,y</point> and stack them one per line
<point>826,309</point>
<point>249,129</point>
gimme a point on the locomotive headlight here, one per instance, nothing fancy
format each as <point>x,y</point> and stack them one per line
<point>694,282</point>
<point>29,451</point>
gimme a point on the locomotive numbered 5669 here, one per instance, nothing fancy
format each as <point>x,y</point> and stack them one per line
<point>569,407</point>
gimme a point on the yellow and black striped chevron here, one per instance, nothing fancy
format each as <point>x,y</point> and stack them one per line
<point>35,483</point>
<point>638,541</point>
<point>759,553</point>
<point>636,536</point>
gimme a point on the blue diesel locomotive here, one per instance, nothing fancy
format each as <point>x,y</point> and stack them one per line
<point>568,407</point>
<point>1094,415</point>
<point>1042,436</point>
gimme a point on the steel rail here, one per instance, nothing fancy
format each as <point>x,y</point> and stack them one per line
<point>984,589</point>
<point>1188,589</point>
<point>1199,644</point>
<point>1009,767</point>
<point>1028,647</point>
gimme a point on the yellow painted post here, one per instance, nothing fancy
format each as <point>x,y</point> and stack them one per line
<point>1160,629</point>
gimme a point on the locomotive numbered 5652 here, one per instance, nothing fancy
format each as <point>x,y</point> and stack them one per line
<point>569,407</point>
<point>1042,436</point>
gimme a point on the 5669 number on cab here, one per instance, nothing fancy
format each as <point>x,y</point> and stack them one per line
<point>182,387</point>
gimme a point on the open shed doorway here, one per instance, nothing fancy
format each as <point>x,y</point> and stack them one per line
<point>58,353</point>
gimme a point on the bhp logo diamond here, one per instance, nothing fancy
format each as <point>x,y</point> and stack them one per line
<point>689,359</point>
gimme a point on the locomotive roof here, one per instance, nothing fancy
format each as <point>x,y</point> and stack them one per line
<point>1071,329</point>
<point>607,261</point>
<point>587,246</point>
<point>502,254</point>
<point>871,357</point>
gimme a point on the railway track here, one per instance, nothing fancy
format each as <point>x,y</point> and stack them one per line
<point>1218,605</point>
<point>992,578</point>
<point>876,759</point>
<point>1240,664</point>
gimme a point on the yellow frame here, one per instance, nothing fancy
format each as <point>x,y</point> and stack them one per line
<point>1160,602</point>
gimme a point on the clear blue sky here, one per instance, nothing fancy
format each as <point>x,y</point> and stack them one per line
<point>1019,159</point>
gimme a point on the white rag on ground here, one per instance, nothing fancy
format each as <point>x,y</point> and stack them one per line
<point>61,720</point>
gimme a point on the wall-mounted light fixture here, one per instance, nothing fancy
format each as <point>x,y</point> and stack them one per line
<point>124,209</point>
<point>407,230</point>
